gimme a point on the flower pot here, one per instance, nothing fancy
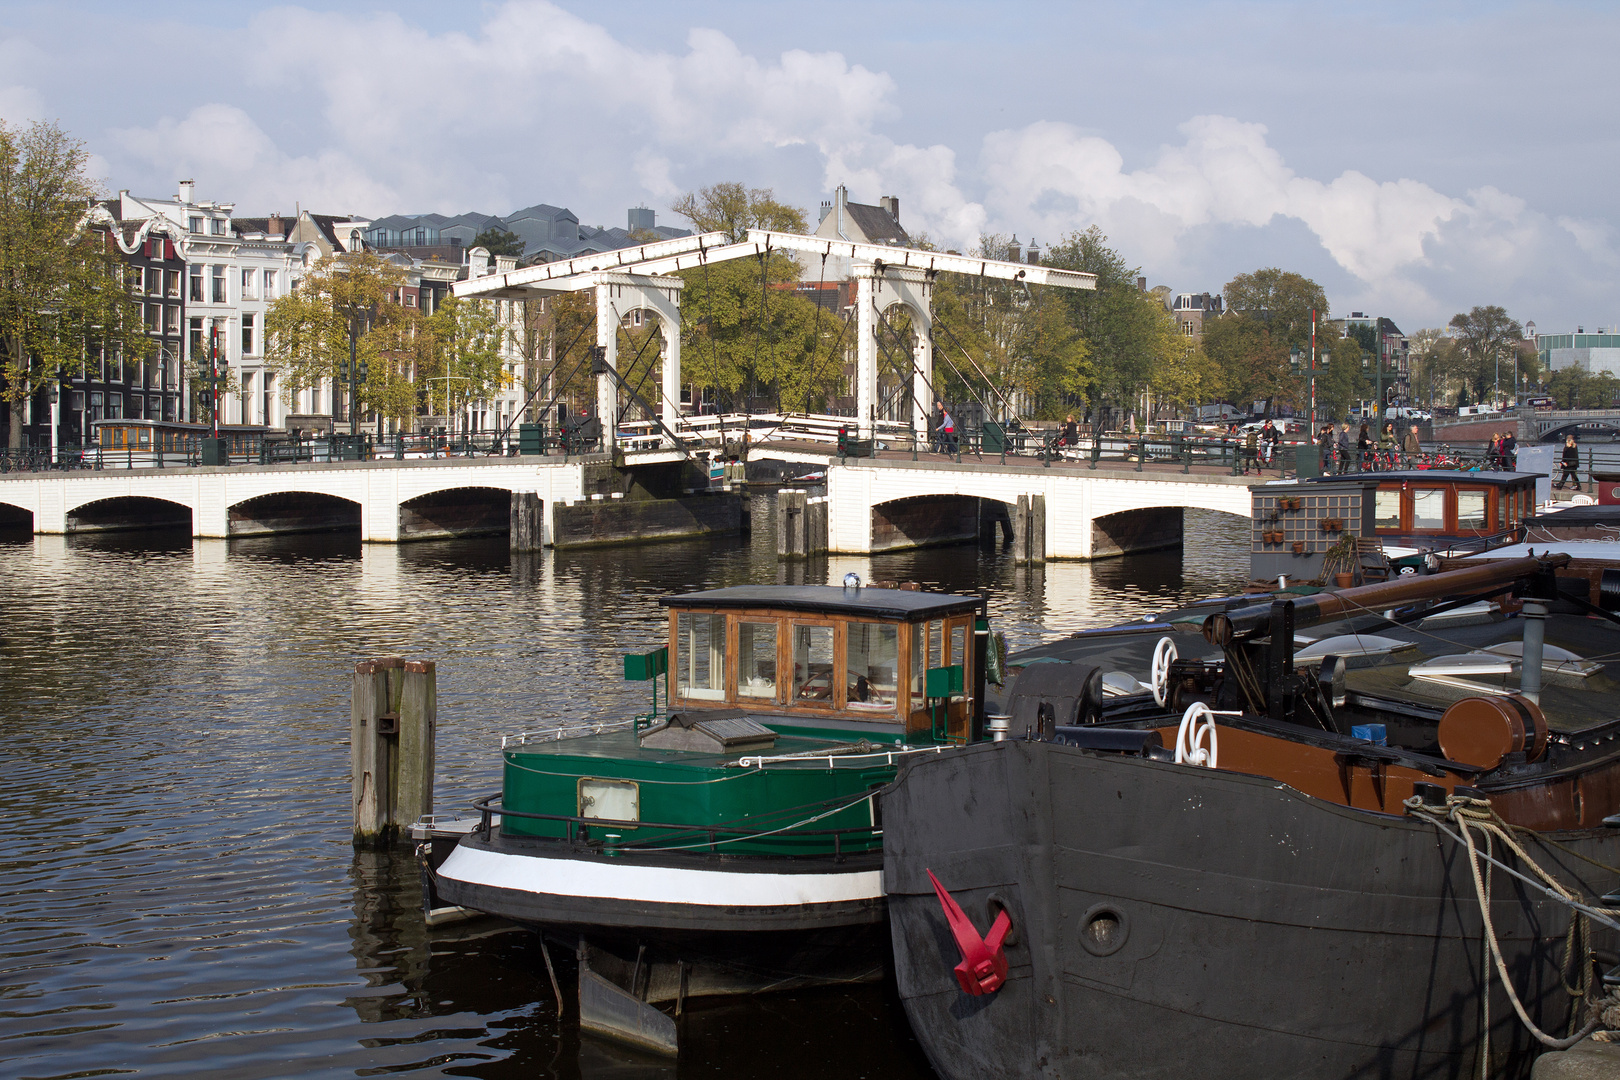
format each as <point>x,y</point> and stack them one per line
<point>1344,581</point>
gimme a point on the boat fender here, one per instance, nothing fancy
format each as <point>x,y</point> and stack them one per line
<point>983,969</point>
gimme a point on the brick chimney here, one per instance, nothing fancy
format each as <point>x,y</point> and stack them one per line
<point>891,203</point>
<point>275,226</point>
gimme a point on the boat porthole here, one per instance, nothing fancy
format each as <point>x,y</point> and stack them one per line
<point>994,906</point>
<point>1103,930</point>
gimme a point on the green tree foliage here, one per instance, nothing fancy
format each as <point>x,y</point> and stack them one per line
<point>1576,388</point>
<point>1486,342</point>
<point>733,209</point>
<point>997,339</point>
<point>1272,310</point>
<point>407,357</point>
<point>62,294</point>
<point>500,242</point>
<point>1132,344</point>
<point>464,364</point>
<point>307,328</point>
<point>746,340</point>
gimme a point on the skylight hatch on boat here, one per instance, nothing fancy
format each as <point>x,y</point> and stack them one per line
<point>1352,646</point>
<point>1553,659</point>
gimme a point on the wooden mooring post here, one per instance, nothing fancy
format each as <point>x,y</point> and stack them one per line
<point>393,715</point>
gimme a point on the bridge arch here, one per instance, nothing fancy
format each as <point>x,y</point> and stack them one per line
<point>465,510</point>
<point>1583,430</point>
<point>928,520</point>
<point>291,512</point>
<point>15,518</point>
<point>124,512</point>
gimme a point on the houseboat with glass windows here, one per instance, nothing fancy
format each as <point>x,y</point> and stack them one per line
<point>160,444</point>
<point>1375,524</point>
<point>730,841</point>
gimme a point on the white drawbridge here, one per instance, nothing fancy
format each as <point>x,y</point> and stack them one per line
<point>641,278</point>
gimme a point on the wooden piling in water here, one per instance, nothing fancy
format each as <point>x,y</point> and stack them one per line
<point>527,522</point>
<point>418,719</point>
<point>393,717</point>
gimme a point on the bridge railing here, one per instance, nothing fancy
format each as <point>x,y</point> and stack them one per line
<point>40,459</point>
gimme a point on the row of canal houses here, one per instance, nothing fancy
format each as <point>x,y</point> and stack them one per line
<point>205,277</point>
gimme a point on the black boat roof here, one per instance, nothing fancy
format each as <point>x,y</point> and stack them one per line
<point>1578,515</point>
<point>867,602</point>
<point>1453,476</point>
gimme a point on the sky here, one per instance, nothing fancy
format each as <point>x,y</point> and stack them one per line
<point>1415,159</point>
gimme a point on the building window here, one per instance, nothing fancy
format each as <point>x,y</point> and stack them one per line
<point>154,408</point>
<point>171,322</point>
<point>248,281</point>
<point>196,285</point>
<point>216,226</point>
<point>132,278</point>
<point>410,300</point>
<point>95,407</point>
<point>151,315</point>
<point>172,278</point>
<point>269,397</point>
<point>154,280</point>
<point>78,401</point>
<point>137,406</point>
<point>219,285</point>
<point>195,224</point>
<point>269,284</point>
<point>247,334</point>
<point>115,406</point>
<point>197,352</point>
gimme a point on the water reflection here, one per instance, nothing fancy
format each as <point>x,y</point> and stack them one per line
<point>181,894</point>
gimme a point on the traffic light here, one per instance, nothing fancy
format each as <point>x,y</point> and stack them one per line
<point>843,442</point>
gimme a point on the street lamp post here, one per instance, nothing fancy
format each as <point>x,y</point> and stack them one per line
<point>56,420</point>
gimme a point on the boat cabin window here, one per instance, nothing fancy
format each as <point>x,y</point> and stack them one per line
<point>871,666</point>
<point>813,665</point>
<point>703,656</point>
<point>1472,504</point>
<point>1387,509</point>
<point>756,660</point>
<point>1429,508</point>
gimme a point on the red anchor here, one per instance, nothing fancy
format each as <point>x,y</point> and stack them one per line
<point>984,966</point>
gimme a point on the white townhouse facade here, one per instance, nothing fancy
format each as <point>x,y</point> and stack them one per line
<point>235,269</point>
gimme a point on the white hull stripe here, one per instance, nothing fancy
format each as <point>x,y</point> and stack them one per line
<point>607,880</point>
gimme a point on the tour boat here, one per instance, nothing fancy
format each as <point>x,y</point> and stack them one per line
<point>1260,839</point>
<point>730,841</point>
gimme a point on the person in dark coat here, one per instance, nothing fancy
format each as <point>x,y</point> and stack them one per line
<point>1364,445</point>
<point>1510,451</point>
<point>1071,432</point>
<point>1344,447</point>
<point>1570,462</point>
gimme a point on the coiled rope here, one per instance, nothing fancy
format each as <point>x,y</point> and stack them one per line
<point>1472,815</point>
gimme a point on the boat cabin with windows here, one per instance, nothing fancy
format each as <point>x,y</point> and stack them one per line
<point>860,654</point>
<point>149,443</point>
<point>1397,515</point>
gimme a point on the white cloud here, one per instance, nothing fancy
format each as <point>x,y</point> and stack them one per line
<point>233,160</point>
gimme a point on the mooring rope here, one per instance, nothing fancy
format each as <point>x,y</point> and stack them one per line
<point>1470,814</point>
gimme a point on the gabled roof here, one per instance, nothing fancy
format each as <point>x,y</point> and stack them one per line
<point>876,223</point>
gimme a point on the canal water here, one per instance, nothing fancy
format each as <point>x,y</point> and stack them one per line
<point>178,894</point>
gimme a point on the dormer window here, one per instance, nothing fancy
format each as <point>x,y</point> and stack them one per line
<point>216,226</point>
<point>196,223</point>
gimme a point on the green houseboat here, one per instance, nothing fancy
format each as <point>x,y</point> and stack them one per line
<point>731,841</point>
